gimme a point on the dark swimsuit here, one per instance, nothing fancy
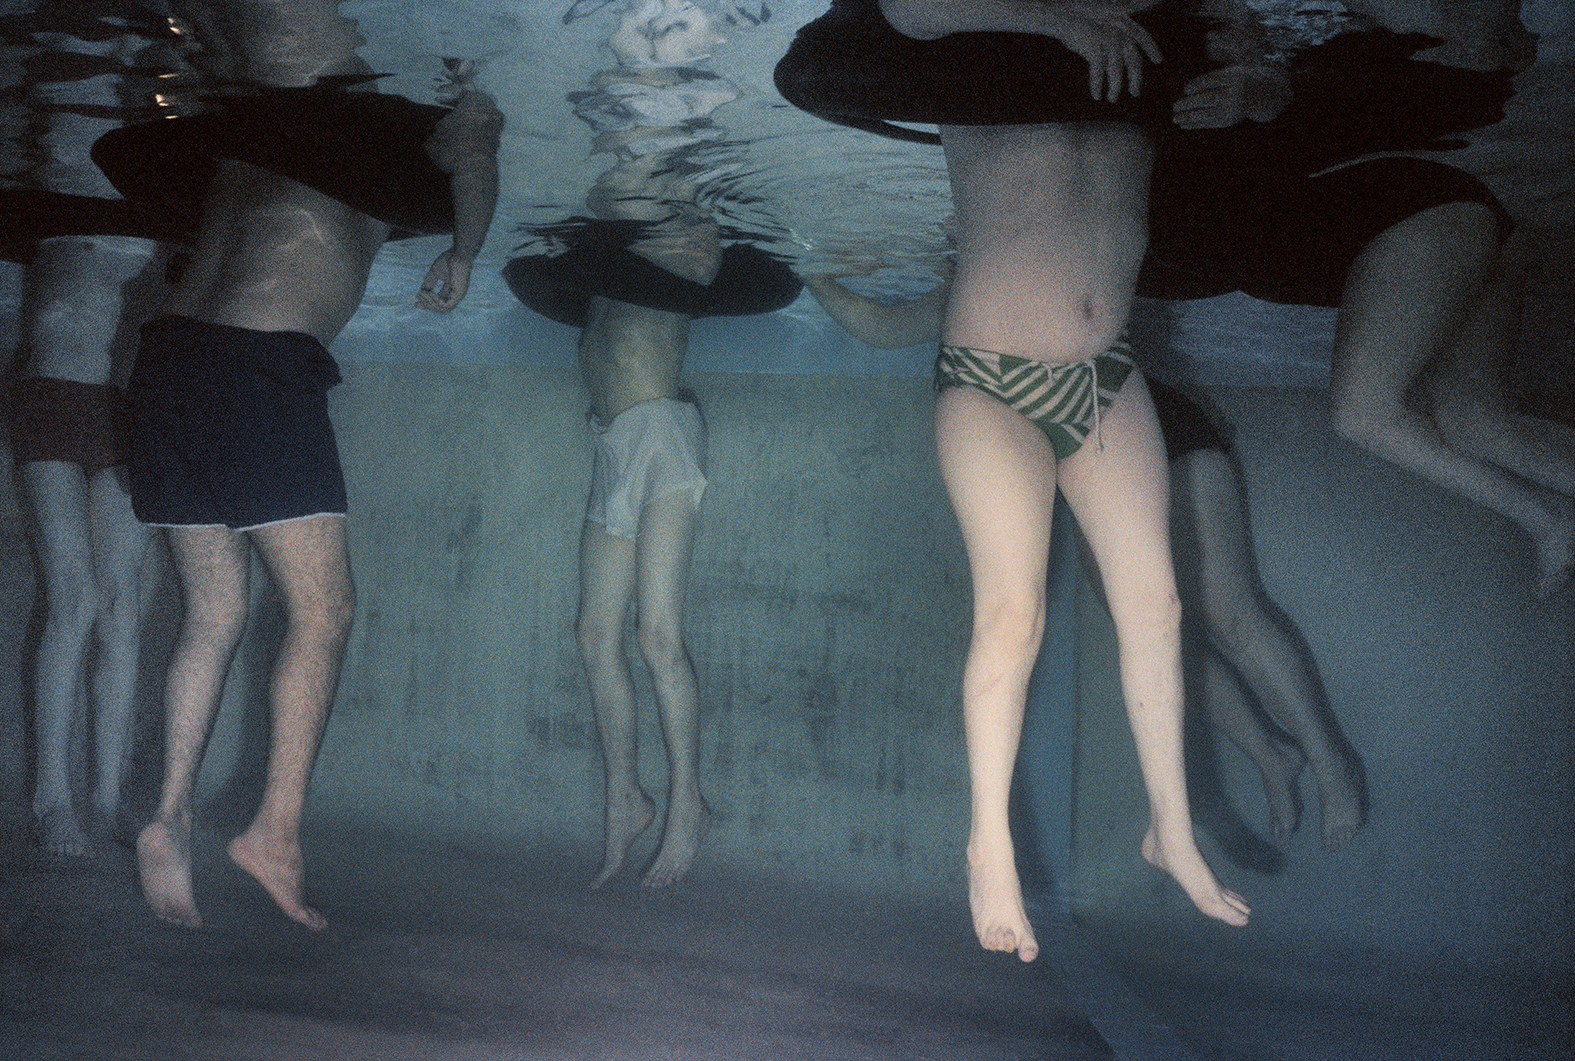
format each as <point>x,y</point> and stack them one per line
<point>365,149</point>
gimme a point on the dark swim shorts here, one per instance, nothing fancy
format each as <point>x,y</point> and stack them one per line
<point>229,427</point>
<point>1217,227</point>
<point>1184,423</point>
<point>66,420</point>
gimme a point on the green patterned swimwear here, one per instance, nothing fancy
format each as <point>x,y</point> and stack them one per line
<point>1064,401</point>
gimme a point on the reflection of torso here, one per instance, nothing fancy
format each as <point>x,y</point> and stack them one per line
<point>275,255</point>
<point>630,354</point>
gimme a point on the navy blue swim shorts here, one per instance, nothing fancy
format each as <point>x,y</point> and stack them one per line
<point>229,427</point>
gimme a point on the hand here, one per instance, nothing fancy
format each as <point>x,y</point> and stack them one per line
<point>1113,44</point>
<point>1231,95</point>
<point>445,284</point>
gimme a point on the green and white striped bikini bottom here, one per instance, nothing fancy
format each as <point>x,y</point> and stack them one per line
<point>1063,400</point>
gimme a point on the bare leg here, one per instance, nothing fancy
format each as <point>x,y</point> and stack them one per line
<point>310,563</point>
<point>212,563</point>
<point>1120,493</point>
<point>607,581</point>
<point>667,530</point>
<point>1223,587</point>
<point>1466,388</point>
<point>121,547</point>
<point>58,494</point>
<point>1405,298</point>
<point>1279,760</point>
<point>1000,475</point>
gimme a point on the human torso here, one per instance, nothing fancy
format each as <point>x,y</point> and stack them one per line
<point>630,354</point>
<point>275,255</point>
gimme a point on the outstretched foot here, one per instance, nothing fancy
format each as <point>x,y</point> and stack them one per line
<point>628,815</point>
<point>1279,788</point>
<point>1342,799</point>
<point>59,832</point>
<point>164,864</point>
<point>279,868</point>
<point>686,827</point>
<point>1555,560</point>
<point>996,899</point>
<point>1184,862</point>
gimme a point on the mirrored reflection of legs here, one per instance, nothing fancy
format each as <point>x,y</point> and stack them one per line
<point>212,564</point>
<point>309,560</point>
<point>1407,294</point>
<point>1119,493</point>
<point>607,580</point>
<point>1255,639</point>
<point>666,543</point>
<point>1000,474</point>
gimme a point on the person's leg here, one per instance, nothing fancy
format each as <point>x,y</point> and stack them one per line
<point>666,542</point>
<point>121,546</point>
<point>1219,572</point>
<point>57,493</point>
<point>213,566</point>
<point>1278,758</point>
<point>1000,474</point>
<point>607,581</point>
<point>309,560</point>
<point>1119,493</point>
<point>1405,297</point>
<point>1466,386</point>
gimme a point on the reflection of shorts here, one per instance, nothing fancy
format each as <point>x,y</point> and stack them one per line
<point>229,427</point>
<point>1064,401</point>
<point>651,449</point>
<point>65,420</point>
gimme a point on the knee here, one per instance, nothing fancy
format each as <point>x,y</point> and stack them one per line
<point>1150,616</point>
<point>72,606</point>
<point>599,640</point>
<point>1010,628</point>
<point>661,645</point>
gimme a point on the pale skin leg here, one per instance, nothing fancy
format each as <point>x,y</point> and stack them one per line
<point>1119,493</point>
<point>309,562</point>
<point>1001,475</point>
<point>612,569</point>
<point>1406,297</point>
<point>1223,589</point>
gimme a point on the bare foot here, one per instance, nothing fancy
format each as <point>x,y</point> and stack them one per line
<point>686,828</point>
<point>1342,799</point>
<point>1279,788</point>
<point>1555,560</point>
<point>164,863</point>
<point>60,833</point>
<point>996,899</point>
<point>278,867</point>
<point>628,815</point>
<point>1184,862</point>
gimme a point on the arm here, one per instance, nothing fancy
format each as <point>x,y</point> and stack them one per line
<point>883,326</point>
<point>1103,34</point>
<point>464,146</point>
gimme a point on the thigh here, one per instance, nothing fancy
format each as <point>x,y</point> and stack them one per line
<point>1000,474</point>
<point>309,560</point>
<point>607,576</point>
<point>1118,486</point>
<point>664,548</point>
